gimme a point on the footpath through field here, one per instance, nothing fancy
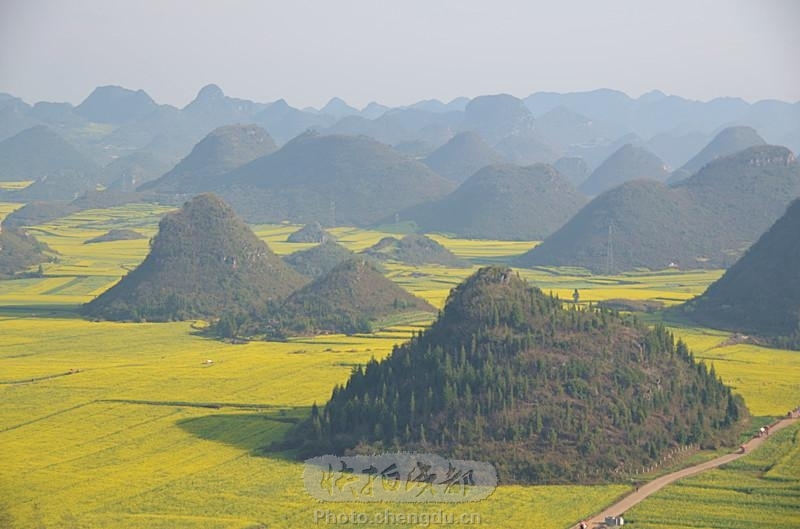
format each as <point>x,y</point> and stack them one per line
<point>657,484</point>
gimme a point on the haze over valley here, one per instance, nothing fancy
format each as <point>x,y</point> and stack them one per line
<point>510,265</point>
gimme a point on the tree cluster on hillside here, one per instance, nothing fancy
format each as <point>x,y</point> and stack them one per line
<point>414,249</point>
<point>312,232</point>
<point>18,251</point>
<point>348,299</point>
<point>318,260</point>
<point>547,394</point>
<point>116,234</point>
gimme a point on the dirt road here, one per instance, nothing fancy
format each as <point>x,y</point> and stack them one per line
<point>657,484</point>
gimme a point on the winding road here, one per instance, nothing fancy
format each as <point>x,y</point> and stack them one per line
<point>657,484</point>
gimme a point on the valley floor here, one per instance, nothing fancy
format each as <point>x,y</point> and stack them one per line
<point>110,425</point>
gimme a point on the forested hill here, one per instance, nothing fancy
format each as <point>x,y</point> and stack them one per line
<point>204,261</point>
<point>705,221</point>
<point>760,293</point>
<point>414,249</point>
<point>462,156</point>
<point>39,152</point>
<point>547,394</point>
<point>18,251</point>
<point>502,201</point>
<point>728,141</point>
<point>349,299</point>
<point>221,151</point>
<point>630,162</point>
<point>334,180</point>
<point>312,232</point>
<point>318,260</point>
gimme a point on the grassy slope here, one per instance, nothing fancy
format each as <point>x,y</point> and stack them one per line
<point>74,453</point>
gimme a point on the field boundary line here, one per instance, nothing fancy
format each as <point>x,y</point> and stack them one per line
<point>45,417</point>
<point>189,404</point>
<point>206,405</point>
<point>36,379</point>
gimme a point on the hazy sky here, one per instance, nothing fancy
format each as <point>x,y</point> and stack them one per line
<point>399,51</point>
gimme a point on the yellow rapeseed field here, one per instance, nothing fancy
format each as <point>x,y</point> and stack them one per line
<point>114,425</point>
<point>7,207</point>
<point>759,490</point>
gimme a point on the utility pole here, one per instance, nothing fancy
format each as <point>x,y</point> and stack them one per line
<point>610,250</point>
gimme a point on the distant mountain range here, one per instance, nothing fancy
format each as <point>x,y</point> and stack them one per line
<point>462,156</point>
<point>39,152</point>
<point>630,162</point>
<point>655,112</point>
<point>224,149</point>
<point>676,148</point>
<point>333,180</point>
<point>341,165</point>
<point>705,221</point>
<point>127,173</point>
<point>495,117</point>
<point>401,126</point>
<point>132,120</point>
<point>573,168</point>
<point>114,104</point>
<point>506,202</point>
<point>728,141</point>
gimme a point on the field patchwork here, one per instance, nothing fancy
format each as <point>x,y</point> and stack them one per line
<point>128,425</point>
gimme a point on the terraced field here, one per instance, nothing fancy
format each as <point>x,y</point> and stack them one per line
<point>7,207</point>
<point>109,425</point>
<point>20,184</point>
